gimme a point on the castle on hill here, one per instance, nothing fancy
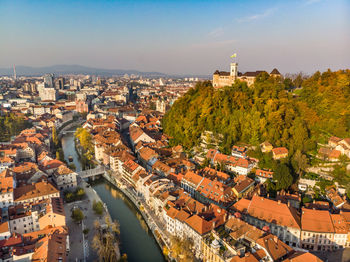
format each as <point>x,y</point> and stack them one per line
<point>222,78</point>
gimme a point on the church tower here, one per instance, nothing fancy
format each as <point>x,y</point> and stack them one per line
<point>234,72</point>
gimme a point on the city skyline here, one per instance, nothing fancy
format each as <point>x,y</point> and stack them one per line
<point>195,37</point>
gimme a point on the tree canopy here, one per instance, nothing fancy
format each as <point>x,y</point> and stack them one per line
<point>267,111</point>
<point>283,177</point>
<point>11,125</point>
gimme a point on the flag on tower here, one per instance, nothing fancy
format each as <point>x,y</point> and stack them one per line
<point>234,55</point>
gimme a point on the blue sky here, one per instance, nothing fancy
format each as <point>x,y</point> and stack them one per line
<point>181,37</point>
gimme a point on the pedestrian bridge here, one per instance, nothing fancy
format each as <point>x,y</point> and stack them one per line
<point>68,132</point>
<point>97,171</point>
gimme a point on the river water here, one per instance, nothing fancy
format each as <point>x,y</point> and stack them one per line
<point>136,240</point>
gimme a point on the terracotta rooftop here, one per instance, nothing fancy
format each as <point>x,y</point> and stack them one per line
<point>339,224</point>
<point>6,185</point>
<point>269,210</point>
<point>302,257</point>
<point>4,227</point>
<point>32,191</point>
<point>192,178</point>
<point>247,258</point>
<point>316,221</point>
<point>199,224</point>
<point>280,151</point>
<point>275,247</point>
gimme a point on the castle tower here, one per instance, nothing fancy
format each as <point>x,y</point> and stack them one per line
<point>233,71</point>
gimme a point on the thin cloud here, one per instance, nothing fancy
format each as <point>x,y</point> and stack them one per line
<point>216,32</point>
<point>214,44</point>
<point>266,13</point>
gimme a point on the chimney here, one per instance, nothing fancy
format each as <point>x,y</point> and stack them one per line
<point>279,201</point>
<point>275,238</point>
<point>288,203</point>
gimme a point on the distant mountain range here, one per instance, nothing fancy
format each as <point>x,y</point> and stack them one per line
<point>73,69</point>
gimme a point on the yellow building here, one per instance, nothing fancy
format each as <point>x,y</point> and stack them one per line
<point>211,251</point>
<point>222,78</point>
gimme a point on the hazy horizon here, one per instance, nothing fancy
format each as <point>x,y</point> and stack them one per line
<point>182,37</point>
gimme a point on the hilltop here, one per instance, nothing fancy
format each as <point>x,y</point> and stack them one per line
<point>266,111</point>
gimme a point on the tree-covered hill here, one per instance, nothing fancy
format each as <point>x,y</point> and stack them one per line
<point>264,112</point>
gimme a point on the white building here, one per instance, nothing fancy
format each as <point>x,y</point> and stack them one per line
<point>6,191</point>
<point>23,221</point>
<point>65,178</point>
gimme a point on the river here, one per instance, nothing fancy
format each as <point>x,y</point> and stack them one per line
<point>136,240</point>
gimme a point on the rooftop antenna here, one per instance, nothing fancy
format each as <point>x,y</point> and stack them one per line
<point>14,72</point>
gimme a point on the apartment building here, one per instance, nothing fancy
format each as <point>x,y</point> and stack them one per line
<point>65,178</point>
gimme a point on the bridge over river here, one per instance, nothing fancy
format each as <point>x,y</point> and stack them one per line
<point>92,173</point>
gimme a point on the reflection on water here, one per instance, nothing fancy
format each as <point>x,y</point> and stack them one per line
<point>68,147</point>
<point>136,239</point>
<point>118,194</point>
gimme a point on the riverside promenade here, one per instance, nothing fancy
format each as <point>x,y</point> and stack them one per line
<point>80,243</point>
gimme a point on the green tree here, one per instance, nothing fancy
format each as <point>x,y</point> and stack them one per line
<point>80,193</point>
<point>11,125</point>
<point>283,177</point>
<point>97,207</point>
<point>298,81</point>
<point>77,215</point>
<point>55,137</point>
<point>60,154</point>
<point>69,197</point>
<point>299,163</point>
<point>86,142</point>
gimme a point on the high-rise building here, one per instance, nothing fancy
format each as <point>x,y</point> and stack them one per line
<point>59,83</point>
<point>48,80</point>
<point>47,93</point>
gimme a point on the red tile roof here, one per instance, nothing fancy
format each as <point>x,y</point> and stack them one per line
<point>316,221</point>
<point>269,210</point>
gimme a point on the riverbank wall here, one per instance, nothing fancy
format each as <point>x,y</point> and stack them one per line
<point>157,233</point>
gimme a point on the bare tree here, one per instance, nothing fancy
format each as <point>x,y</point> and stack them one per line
<point>106,240</point>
